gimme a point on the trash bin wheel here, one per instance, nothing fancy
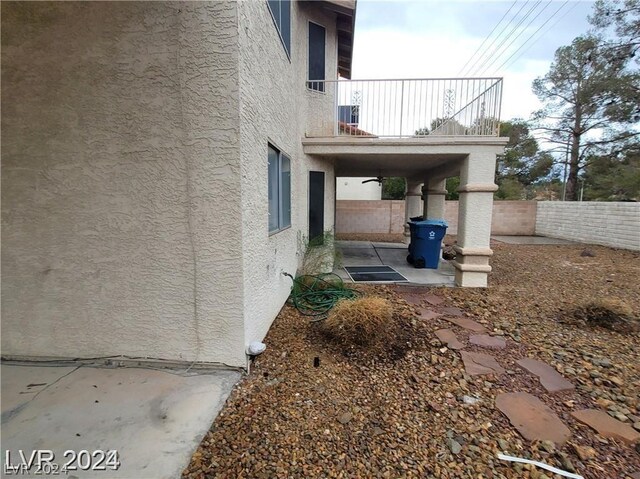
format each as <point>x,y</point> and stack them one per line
<point>409,259</point>
<point>419,263</point>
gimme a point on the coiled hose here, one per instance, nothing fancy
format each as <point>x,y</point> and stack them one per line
<point>315,295</point>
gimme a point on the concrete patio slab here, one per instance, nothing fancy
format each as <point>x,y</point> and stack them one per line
<point>364,253</point>
<point>530,240</point>
<point>154,419</point>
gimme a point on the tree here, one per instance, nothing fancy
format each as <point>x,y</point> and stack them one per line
<point>624,17</point>
<point>393,188</point>
<point>613,179</point>
<point>522,163</point>
<point>589,104</point>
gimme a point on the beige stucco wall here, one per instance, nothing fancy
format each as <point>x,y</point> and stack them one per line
<point>614,224</point>
<point>352,188</point>
<point>276,108</point>
<point>121,186</point>
<point>508,218</point>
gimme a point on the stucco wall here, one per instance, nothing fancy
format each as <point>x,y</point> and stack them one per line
<point>509,217</point>
<point>352,188</point>
<point>605,223</point>
<point>121,191</point>
<point>276,108</point>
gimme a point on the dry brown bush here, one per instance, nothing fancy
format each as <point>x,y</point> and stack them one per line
<point>609,313</point>
<point>368,325</point>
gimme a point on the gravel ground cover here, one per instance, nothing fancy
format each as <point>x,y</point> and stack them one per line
<point>308,410</point>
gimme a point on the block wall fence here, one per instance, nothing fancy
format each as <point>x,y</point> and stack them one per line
<point>615,224</point>
<point>383,216</point>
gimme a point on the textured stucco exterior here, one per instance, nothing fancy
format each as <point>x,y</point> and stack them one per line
<point>350,188</point>
<point>134,175</point>
<point>121,139</point>
<point>277,108</point>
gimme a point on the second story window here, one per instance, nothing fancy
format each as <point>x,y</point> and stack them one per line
<point>281,11</point>
<point>317,41</point>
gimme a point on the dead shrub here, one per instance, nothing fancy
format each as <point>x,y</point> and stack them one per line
<point>609,313</point>
<point>367,325</point>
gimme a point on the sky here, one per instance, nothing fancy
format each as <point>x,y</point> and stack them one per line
<point>429,38</point>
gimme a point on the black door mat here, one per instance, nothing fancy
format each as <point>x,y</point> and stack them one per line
<point>374,274</point>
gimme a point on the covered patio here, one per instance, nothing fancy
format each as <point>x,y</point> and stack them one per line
<point>366,253</point>
<point>426,163</point>
<point>424,130</point>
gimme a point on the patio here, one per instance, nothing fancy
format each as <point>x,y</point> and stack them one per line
<point>365,253</point>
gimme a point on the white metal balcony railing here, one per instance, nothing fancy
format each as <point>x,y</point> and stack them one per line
<point>413,108</point>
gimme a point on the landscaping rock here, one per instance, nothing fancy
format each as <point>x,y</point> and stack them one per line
<point>584,452</point>
<point>549,378</point>
<point>532,418</point>
<point>448,337</point>
<point>478,363</point>
<point>433,300</point>
<point>607,426</point>
<point>486,341</point>
<point>467,323</point>
<point>428,314</point>
<point>454,446</point>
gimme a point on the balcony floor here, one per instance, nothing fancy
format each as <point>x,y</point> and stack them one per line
<point>412,157</point>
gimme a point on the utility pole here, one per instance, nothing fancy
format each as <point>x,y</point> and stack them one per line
<point>566,164</point>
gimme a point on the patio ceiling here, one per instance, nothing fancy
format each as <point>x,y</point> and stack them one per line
<point>417,159</point>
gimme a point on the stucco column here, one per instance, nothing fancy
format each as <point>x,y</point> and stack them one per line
<point>474,219</point>
<point>412,206</point>
<point>434,193</point>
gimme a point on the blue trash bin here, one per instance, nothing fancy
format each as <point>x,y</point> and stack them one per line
<point>426,243</point>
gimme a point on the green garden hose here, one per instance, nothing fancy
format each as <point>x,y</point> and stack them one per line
<point>315,295</point>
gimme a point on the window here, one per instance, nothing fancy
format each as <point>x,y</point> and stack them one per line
<point>279,178</point>
<point>281,12</point>
<point>317,38</point>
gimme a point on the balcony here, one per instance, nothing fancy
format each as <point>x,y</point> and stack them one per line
<point>416,108</point>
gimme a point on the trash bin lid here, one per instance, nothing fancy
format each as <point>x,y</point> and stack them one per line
<point>442,223</point>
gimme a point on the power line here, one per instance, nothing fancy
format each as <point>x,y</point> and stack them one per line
<point>549,28</point>
<point>508,35</point>
<point>503,52</point>
<point>487,37</point>
<point>496,39</point>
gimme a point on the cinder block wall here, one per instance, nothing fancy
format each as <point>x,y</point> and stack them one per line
<point>606,223</point>
<point>353,216</point>
<point>369,216</point>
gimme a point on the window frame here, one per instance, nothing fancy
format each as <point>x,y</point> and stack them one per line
<point>324,57</point>
<point>277,24</point>
<point>283,219</point>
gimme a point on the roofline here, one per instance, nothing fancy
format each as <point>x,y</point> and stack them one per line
<point>345,10</point>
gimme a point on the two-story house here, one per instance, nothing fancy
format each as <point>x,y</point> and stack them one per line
<point>163,164</point>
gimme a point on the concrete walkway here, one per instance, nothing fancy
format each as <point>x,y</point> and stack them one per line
<point>366,253</point>
<point>153,419</point>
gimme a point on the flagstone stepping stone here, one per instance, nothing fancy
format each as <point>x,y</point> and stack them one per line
<point>433,300</point>
<point>428,314</point>
<point>448,337</point>
<point>487,341</point>
<point>411,299</point>
<point>606,426</point>
<point>453,311</point>
<point>467,323</point>
<point>479,363</point>
<point>549,377</point>
<point>533,419</point>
